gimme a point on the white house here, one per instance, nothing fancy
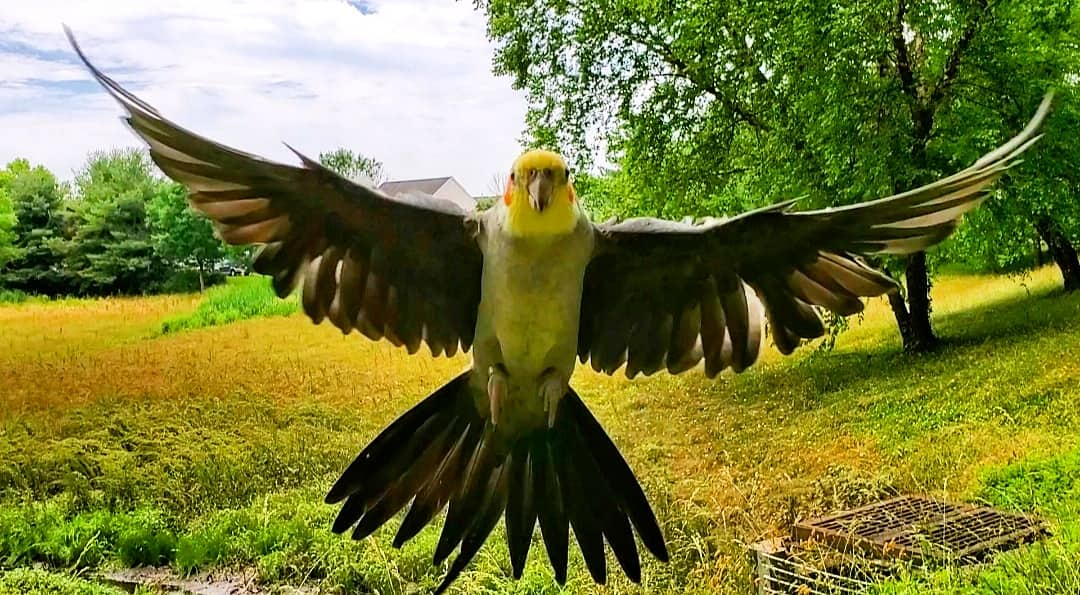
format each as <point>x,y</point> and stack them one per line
<point>446,188</point>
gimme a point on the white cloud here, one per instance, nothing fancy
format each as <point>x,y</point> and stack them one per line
<point>409,84</point>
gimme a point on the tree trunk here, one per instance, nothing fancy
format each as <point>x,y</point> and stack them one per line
<point>1061,250</point>
<point>903,319</point>
<point>202,282</point>
<point>918,294</point>
<point>913,315</point>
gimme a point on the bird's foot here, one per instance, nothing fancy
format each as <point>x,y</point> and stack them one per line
<point>498,379</point>
<point>552,390</point>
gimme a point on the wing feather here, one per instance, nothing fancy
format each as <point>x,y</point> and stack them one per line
<point>365,261</point>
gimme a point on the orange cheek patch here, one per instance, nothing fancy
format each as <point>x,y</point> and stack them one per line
<point>506,195</point>
<point>573,194</point>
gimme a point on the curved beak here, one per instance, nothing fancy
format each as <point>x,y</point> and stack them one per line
<point>540,190</point>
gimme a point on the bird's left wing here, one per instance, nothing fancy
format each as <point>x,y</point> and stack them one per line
<point>407,269</point>
<point>660,294</point>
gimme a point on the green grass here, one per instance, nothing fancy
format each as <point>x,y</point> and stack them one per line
<point>37,581</point>
<point>212,451</point>
<point>240,298</point>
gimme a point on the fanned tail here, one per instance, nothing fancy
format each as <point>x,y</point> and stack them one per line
<point>443,454</point>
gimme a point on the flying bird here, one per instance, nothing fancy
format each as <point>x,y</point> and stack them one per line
<point>532,287</point>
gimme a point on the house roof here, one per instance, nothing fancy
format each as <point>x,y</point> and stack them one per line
<point>425,185</point>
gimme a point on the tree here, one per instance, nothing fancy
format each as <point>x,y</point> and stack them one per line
<point>1028,38</point>
<point>7,221</point>
<point>354,166</point>
<point>181,237</point>
<point>35,264</point>
<point>716,107</point>
<point>496,185</point>
<point>111,250</point>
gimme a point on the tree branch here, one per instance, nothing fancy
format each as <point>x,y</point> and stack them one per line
<point>903,60</point>
<point>952,64</point>
<point>692,75</point>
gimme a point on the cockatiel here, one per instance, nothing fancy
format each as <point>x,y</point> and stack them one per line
<point>530,286</point>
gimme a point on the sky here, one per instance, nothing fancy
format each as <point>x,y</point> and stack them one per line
<point>407,82</point>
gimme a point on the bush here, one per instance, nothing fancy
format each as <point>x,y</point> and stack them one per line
<point>14,296</point>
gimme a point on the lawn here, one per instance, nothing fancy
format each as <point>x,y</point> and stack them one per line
<point>152,431</point>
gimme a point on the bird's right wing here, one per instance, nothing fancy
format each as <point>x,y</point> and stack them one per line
<point>407,269</point>
<point>660,294</point>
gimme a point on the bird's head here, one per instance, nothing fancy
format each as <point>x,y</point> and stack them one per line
<point>539,196</point>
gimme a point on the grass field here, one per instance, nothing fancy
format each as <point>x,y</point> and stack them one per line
<point>196,445</point>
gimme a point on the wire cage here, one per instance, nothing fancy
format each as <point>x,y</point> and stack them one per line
<point>850,551</point>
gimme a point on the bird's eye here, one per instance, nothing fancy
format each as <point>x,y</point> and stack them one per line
<point>511,176</point>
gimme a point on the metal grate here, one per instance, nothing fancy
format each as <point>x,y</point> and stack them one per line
<point>919,528</point>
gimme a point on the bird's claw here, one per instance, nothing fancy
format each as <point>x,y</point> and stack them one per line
<point>496,389</point>
<point>552,390</point>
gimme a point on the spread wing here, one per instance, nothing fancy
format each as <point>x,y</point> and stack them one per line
<point>660,294</point>
<point>406,269</point>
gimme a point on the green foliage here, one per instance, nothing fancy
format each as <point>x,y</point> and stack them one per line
<point>182,238</point>
<point>13,296</point>
<point>1021,54</point>
<point>354,166</point>
<point>111,251</point>
<point>484,203</point>
<point>35,581</point>
<point>609,194</point>
<point>7,220</point>
<point>35,261</point>
<point>51,533</point>
<point>241,298</point>
<point>1044,485</point>
<point>126,231</point>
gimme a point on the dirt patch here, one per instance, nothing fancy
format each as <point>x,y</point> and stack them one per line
<point>163,580</point>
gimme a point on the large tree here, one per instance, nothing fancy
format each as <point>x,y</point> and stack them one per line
<point>354,166</point>
<point>35,264</point>
<point>181,237</point>
<point>714,107</point>
<point>7,220</point>
<point>111,250</point>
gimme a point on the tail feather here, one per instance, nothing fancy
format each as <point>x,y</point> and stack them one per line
<point>554,524</point>
<point>521,509</point>
<point>623,485</point>
<point>482,524</point>
<point>434,496</point>
<point>467,504</point>
<point>611,516</point>
<point>443,454</point>
<point>395,438</point>
<point>402,491</point>
<point>581,504</point>
<point>387,488</point>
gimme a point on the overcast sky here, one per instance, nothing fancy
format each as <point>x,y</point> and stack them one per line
<point>405,81</point>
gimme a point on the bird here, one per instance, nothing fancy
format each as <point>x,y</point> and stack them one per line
<point>532,288</point>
